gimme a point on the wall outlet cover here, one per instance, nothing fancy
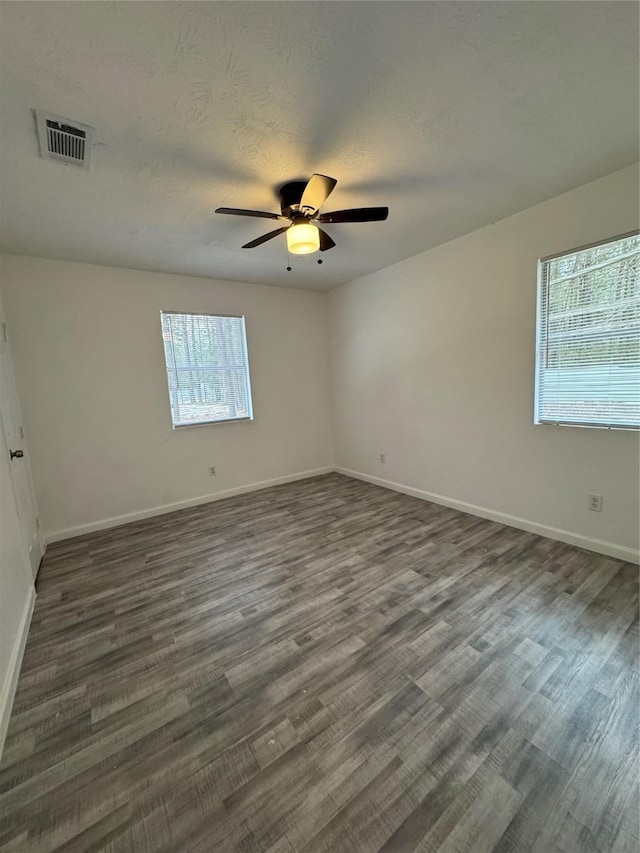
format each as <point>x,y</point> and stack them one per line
<point>595,503</point>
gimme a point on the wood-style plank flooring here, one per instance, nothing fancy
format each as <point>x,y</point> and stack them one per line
<point>325,666</point>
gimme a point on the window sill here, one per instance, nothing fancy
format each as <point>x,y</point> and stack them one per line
<point>617,428</point>
<point>212,423</point>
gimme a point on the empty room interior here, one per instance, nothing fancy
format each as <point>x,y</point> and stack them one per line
<point>320,412</point>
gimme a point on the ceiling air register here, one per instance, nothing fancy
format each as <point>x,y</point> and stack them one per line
<point>64,140</point>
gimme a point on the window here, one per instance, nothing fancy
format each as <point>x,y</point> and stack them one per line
<point>207,368</point>
<point>588,336</point>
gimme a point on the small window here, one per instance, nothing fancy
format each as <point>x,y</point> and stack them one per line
<point>588,336</point>
<point>207,368</point>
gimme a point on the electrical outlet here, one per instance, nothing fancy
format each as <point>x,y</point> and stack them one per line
<point>383,458</point>
<point>212,471</point>
<point>595,503</point>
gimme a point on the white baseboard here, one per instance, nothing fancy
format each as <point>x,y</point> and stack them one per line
<point>117,520</point>
<point>610,549</point>
<point>11,678</point>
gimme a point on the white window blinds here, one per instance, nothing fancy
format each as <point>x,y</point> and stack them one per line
<point>588,336</point>
<point>207,368</point>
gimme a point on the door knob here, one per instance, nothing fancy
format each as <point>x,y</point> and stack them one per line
<point>16,454</point>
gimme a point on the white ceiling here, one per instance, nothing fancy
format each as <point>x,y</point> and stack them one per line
<point>452,114</point>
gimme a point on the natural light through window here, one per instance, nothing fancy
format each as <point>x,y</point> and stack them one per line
<point>588,336</point>
<point>207,368</point>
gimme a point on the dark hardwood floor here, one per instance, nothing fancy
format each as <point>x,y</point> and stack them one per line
<point>325,666</point>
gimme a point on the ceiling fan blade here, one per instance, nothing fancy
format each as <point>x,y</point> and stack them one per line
<point>261,213</point>
<point>317,191</point>
<point>259,240</point>
<point>325,241</point>
<point>358,214</point>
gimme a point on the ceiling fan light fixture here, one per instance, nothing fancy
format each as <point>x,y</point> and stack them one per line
<point>303,239</point>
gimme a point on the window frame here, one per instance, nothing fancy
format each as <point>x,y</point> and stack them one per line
<point>246,418</point>
<point>538,338</point>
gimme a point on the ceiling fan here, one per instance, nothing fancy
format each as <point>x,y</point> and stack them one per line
<point>300,204</point>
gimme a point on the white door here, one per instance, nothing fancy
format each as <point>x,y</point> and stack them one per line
<point>18,456</point>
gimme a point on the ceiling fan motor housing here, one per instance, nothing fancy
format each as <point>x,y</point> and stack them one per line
<point>290,195</point>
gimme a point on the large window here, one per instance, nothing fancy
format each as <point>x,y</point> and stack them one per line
<point>207,368</point>
<point>588,336</point>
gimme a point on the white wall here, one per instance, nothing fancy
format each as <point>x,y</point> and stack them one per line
<point>433,364</point>
<point>89,364</point>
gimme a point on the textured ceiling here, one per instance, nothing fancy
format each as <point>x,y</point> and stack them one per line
<point>453,114</point>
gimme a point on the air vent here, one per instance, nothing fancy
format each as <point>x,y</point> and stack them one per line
<point>64,140</point>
